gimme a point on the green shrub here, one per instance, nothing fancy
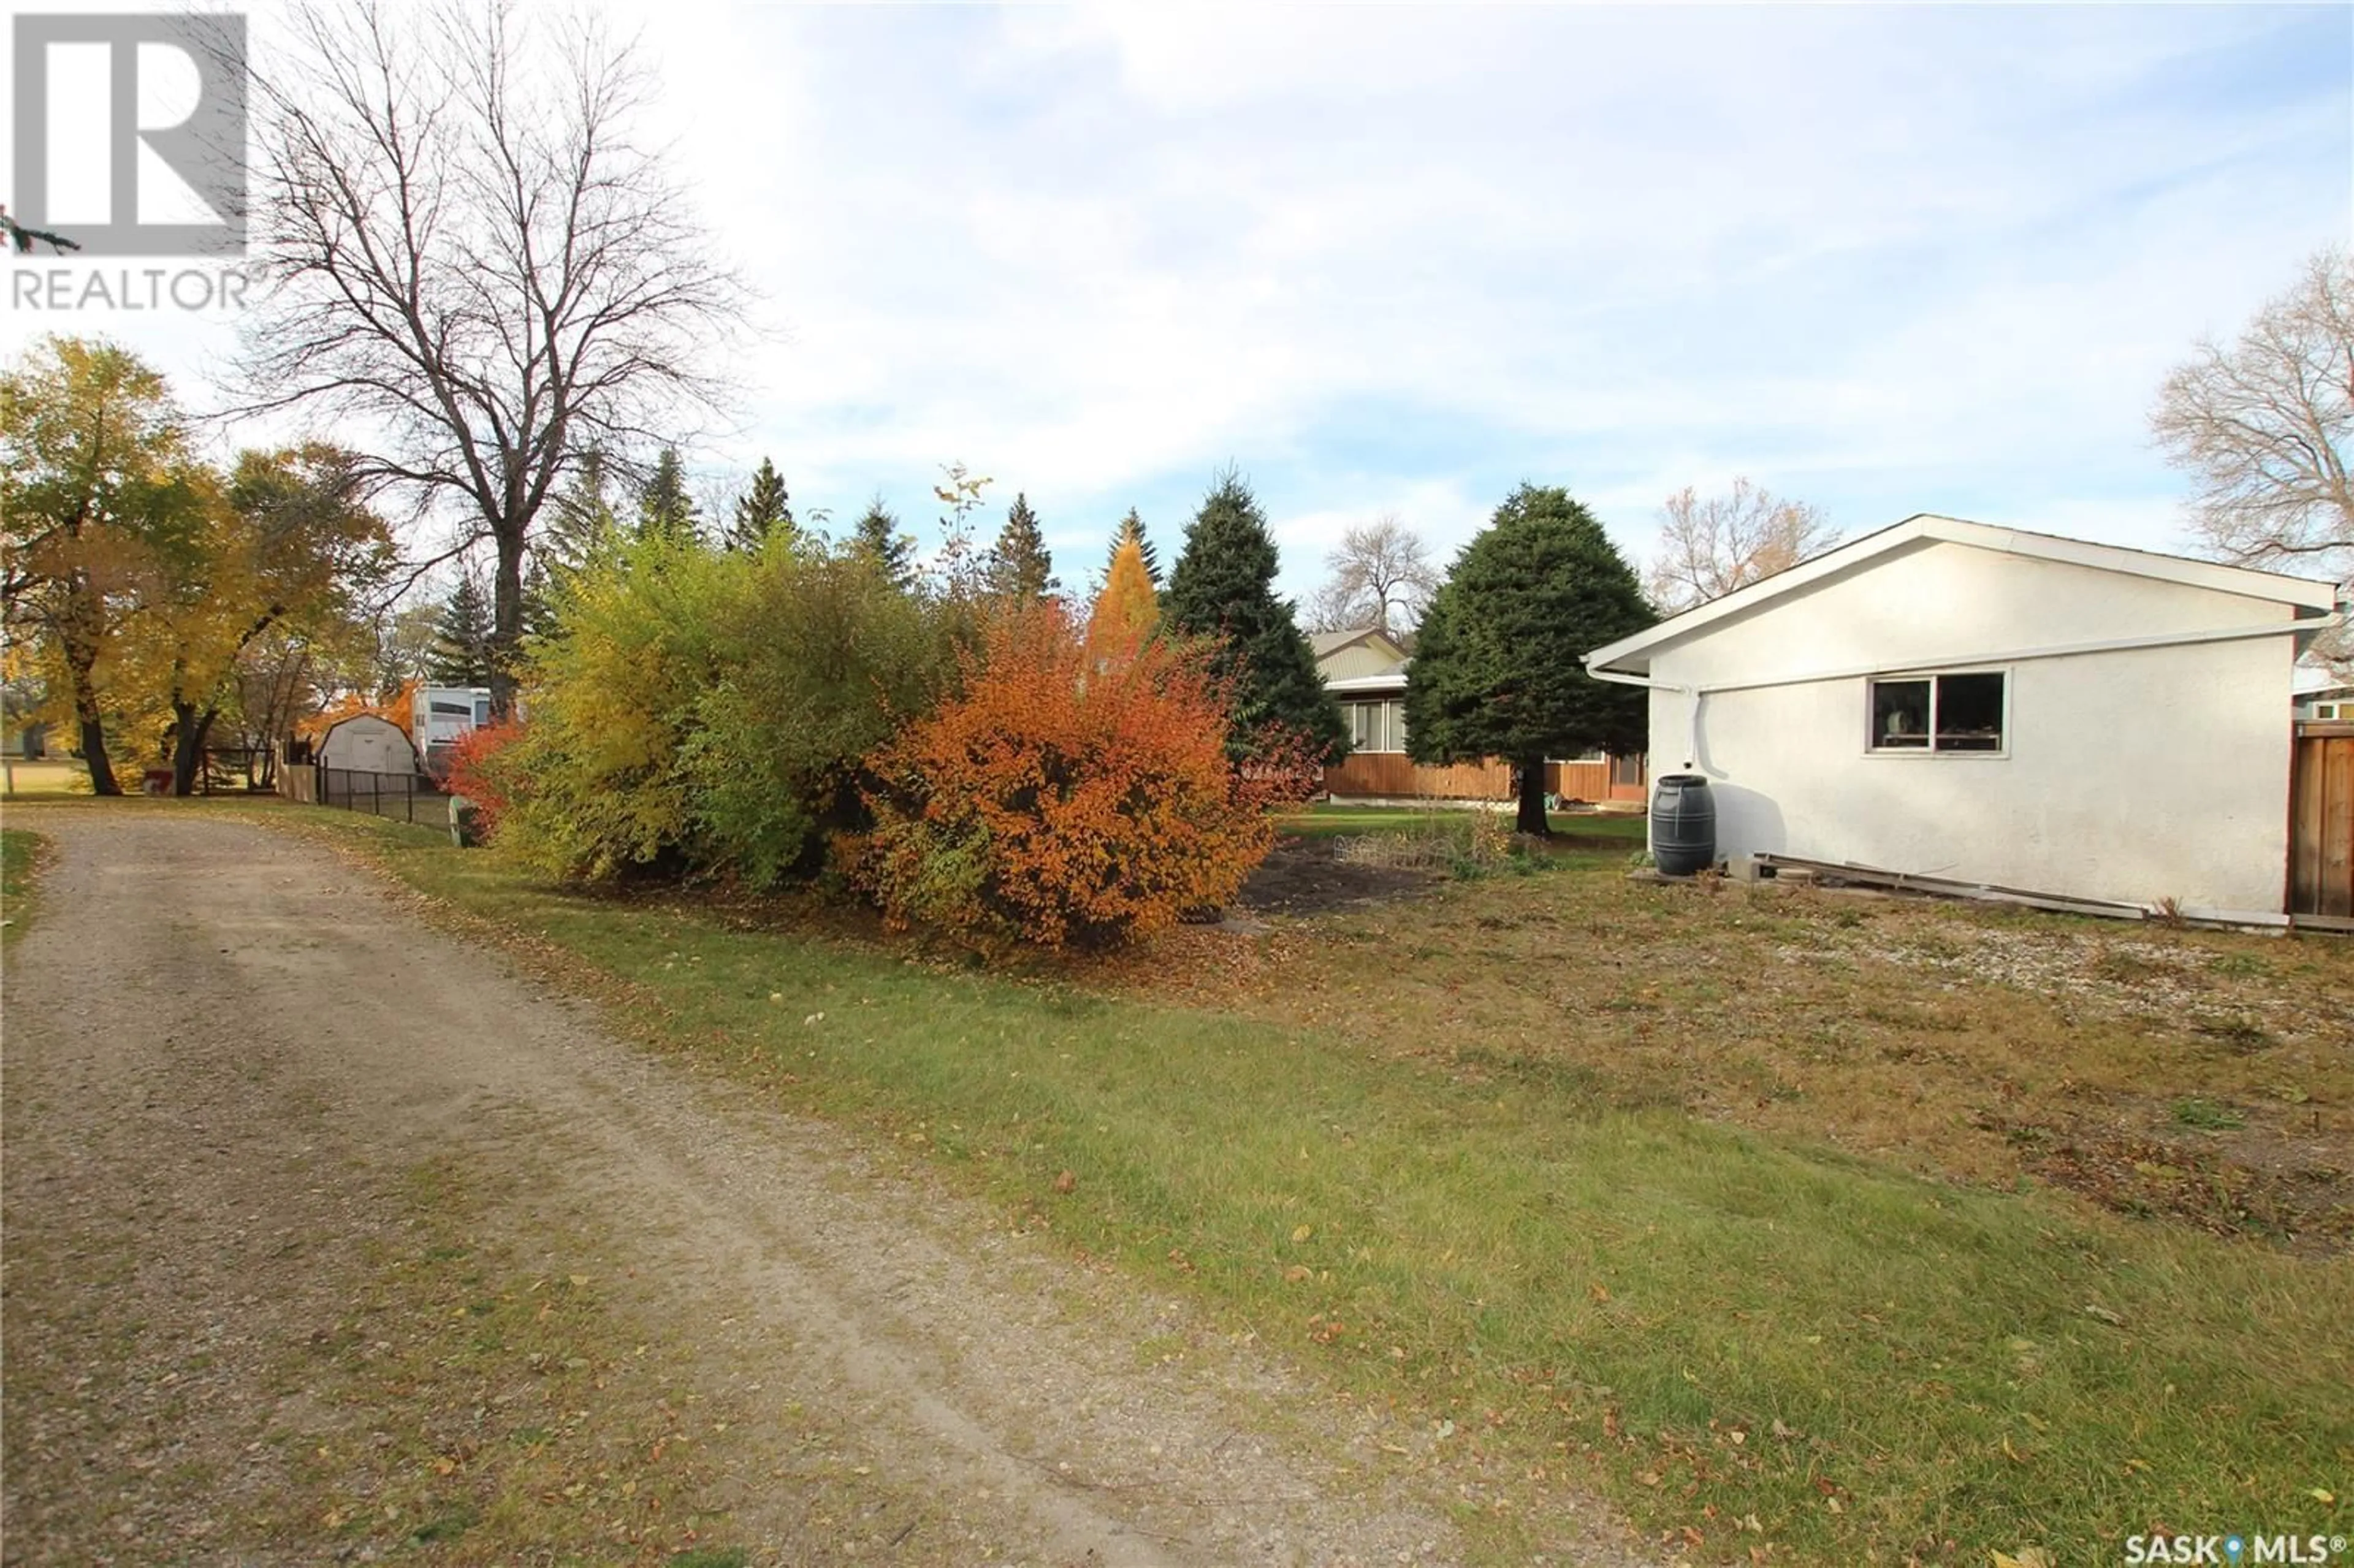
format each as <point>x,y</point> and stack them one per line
<point>610,692</point>
<point>697,710</point>
<point>820,660</point>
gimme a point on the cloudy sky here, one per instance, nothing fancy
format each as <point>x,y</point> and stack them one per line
<point>1886,259</point>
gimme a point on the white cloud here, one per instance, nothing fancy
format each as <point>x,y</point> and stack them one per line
<point>1403,257</point>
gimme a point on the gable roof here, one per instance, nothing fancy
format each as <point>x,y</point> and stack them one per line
<point>2312,679</point>
<point>2318,597</point>
<point>1324,645</point>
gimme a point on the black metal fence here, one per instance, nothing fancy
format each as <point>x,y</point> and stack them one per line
<point>404,797</point>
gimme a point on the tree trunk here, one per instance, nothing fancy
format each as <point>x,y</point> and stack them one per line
<point>79,631</point>
<point>94,750</point>
<point>92,724</point>
<point>1533,799</point>
<point>190,729</point>
<point>506,624</point>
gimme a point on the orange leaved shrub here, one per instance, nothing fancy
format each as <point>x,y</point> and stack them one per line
<point>1072,796</point>
<point>476,771</point>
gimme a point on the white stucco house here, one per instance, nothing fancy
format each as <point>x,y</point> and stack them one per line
<point>1950,699</point>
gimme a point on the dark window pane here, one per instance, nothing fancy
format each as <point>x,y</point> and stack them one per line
<point>1900,713</point>
<point>1969,713</point>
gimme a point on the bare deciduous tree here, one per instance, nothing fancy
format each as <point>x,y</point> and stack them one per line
<point>2262,426</point>
<point>1708,545</point>
<point>467,253</point>
<point>1381,576</point>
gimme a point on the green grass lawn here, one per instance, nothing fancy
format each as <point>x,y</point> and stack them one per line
<point>18,850</point>
<point>1746,1340</point>
<point>48,776</point>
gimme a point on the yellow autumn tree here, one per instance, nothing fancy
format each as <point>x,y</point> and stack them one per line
<point>286,544</point>
<point>1127,611</point>
<point>96,483</point>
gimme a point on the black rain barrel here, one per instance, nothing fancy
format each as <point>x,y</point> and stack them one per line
<point>1683,824</point>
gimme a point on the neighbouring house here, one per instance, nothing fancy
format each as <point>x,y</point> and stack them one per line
<point>1365,671</point>
<point>1992,706</point>
<point>2322,694</point>
<point>366,743</point>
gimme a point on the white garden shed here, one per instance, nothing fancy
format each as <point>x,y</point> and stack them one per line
<point>1944,698</point>
<point>366,743</point>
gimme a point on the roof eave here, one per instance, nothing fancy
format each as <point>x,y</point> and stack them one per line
<point>2307,595</point>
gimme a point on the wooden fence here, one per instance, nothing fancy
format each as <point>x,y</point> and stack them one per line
<point>2321,820</point>
<point>1391,775</point>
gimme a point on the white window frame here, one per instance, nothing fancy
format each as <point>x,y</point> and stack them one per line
<point>1871,746</point>
<point>1385,723</point>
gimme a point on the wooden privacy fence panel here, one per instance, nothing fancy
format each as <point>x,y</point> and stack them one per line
<point>1391,775</point>
<point>2321,820</point>
<point>1578,780</point>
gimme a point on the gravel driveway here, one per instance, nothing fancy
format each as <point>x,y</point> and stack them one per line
<point>230,1053</point>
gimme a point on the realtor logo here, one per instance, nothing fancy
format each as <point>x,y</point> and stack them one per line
<point>117,176</point>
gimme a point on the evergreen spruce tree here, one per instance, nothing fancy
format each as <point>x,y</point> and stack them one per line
<point>1224,586</point>
<point>1019,565</point>
<point>762,512</point>
<point>538,599</point>
<point>461,653</point>
<point>581,516</point>
<point>1497,667</point>
<point>876,536</point>
<point>664,505</point>
<point>1131,528</point>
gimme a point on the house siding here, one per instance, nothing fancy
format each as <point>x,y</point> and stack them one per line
<point>2132,775</point>
<point>1371,657</point>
